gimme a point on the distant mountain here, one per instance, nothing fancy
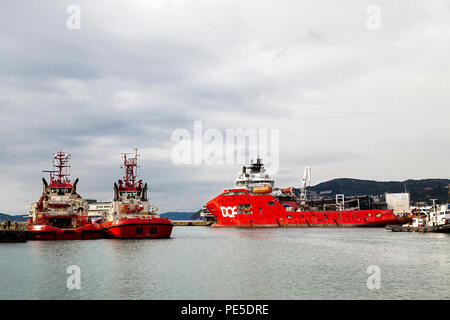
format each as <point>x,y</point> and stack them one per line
<point>420,190</point>
<point>177,215</point>
<point>12,218</point>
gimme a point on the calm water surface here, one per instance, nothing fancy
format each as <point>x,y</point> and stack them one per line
<point>209,263</point>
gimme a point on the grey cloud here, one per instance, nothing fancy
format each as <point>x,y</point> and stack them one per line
<point>136,71</point>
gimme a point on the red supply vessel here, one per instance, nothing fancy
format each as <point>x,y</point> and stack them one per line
<point>256,202</point>
<point>61,213</point>
<point>131,216</point>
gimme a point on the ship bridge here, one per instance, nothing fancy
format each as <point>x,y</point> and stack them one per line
<point>254,176</point>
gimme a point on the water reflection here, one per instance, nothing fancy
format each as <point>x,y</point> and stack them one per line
<point>232,263</point>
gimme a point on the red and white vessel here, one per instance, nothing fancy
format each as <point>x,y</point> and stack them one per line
<point>131,216</point>
<point>256,202</point>
<point>61,213</point>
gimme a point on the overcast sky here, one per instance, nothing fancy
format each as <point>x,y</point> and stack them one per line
<point>348,100</point>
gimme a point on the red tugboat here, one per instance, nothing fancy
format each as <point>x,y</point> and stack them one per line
<point>255,202</point>
<point>60,213</point>
<point>131,216</point>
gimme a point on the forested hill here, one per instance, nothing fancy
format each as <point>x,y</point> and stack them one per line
<point>19,218</point>
<point>420,190</point>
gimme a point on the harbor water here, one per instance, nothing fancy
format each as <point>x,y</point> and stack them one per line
<point>233,263</point>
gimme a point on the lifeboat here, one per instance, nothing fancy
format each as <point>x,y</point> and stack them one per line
<point>260,190</point>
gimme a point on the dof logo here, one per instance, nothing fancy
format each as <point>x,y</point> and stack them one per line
<point>229,211</point>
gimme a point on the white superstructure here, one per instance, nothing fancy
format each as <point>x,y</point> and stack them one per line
<point>439,217</point>
<point>253,176</point>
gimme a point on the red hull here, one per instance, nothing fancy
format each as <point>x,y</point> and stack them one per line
<point>46,232</point>
<point>266,211</point>
<point>137,228</point>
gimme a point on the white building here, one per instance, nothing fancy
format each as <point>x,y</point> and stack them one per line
<point>98,209</point>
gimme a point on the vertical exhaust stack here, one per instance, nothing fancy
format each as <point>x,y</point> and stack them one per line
<point>74,189</point>
<point>45,184</point>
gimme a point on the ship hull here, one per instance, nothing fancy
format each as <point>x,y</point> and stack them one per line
<point>46,232</point>
<point>268,212</point>
<point>137,228</point>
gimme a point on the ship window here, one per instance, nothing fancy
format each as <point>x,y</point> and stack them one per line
<point>378,215</point>
<point>244,209</point>
<point>139,230</point>
<point>153,230</point>
<point>233,193</point>
<point>271,204</point>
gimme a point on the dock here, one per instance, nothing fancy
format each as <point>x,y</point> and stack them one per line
<point>14,235</point>
<point>192,223</point>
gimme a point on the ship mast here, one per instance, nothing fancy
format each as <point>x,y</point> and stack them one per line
<point>130,165</point>
<point>61,164</point>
